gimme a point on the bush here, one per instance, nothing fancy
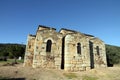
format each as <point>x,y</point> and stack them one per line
<point>12,50</point>
<point>113,55</point>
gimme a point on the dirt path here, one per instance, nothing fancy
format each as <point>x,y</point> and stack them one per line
<point>18,72</point>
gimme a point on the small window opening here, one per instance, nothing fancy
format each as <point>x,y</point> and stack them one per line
<point>36,47</point>
<point>79,48</point>
<point>97,48</point>
<point>48,46</point>
<point>29,46</point>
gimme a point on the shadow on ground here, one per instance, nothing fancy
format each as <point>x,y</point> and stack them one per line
<point>12,79</point>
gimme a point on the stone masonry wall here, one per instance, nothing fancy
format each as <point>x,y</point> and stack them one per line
<point>47,59</point>
<point>28,61</point>
<point>67,49</point>
<point>99,59</point>
<point>73,60</point>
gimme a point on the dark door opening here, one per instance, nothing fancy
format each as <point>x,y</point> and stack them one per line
<point>63,51</point>
<point>91,55</point>
<point>48,46</point>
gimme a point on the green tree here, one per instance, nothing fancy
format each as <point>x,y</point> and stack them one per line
<point>12,50</point>
<point>16,51</point>
<point>113,54</point>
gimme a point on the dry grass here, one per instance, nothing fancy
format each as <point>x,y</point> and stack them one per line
<point>70,75</point>
<point>18,72</point>
<point>89,78</point>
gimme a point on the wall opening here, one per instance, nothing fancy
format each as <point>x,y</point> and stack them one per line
<point>63,51</point>
<point>91,55</point>
<point>79,48</point>
<point>97,48</point>
<point>48,46</point>
<point>29,46</point>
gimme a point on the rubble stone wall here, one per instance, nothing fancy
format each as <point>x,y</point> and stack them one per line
<point>66,49</point>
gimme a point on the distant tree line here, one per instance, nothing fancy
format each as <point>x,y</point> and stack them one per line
<point>16,50</point>
<point>11,51</point>
<point>113,54</point>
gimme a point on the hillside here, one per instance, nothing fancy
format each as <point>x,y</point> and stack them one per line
<point>113,54</point>
<point>16,50</point>
<point>12,50</point>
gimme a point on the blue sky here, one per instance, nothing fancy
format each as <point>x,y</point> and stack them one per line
<point>101,18</point>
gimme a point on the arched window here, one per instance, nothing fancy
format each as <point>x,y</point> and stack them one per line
<point>97,49</point>
<point>29,46</point>
<point>78,48</point>
<point>48,46</point>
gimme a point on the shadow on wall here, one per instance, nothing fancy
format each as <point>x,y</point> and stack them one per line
<point>109,62</point>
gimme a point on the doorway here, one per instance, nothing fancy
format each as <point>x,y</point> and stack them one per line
<point>91,55</point>
<point>63,53</point>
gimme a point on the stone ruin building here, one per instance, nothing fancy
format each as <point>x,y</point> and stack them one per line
<point>67,49</point>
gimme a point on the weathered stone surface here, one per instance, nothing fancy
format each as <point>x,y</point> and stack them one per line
<point>67,49</point>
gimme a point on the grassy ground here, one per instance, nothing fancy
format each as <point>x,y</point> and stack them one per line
<point>18,72</point>
<point>11,61</point>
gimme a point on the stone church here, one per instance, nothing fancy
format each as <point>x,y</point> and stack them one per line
<point>67,49</point>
